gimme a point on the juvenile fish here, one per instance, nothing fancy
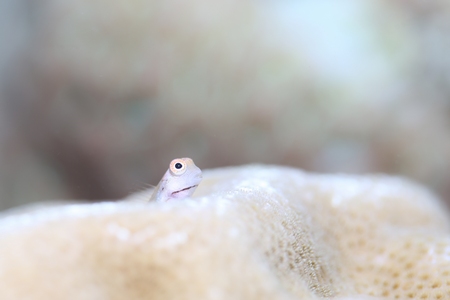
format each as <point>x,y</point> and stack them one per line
<point>179,181</point>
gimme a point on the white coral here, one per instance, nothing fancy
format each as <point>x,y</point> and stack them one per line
<point>252,232</point>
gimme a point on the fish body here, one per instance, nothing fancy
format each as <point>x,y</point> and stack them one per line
<point>179,181</point>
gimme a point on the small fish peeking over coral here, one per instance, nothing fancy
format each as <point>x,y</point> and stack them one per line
<point>179,181</point>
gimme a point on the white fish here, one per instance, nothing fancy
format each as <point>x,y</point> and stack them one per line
<point>179,181</point>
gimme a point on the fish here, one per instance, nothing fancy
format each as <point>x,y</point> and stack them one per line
<point>179,181</point>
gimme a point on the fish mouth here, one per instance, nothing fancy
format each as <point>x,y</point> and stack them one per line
<point>185,189</point>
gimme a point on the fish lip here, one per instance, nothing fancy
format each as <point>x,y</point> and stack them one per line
<point>185,189</point>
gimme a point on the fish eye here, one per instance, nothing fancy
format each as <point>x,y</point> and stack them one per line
<point>177,167</point>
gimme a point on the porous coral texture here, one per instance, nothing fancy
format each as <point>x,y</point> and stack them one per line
<point>251,232</point>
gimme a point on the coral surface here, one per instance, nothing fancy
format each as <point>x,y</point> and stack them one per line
<point>251,232</point>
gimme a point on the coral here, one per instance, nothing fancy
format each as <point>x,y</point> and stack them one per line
<point>250,232</point>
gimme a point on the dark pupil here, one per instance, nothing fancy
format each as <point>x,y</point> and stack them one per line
<point>178,166</point>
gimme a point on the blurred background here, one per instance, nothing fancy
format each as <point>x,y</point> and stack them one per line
<point>96,97</point>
